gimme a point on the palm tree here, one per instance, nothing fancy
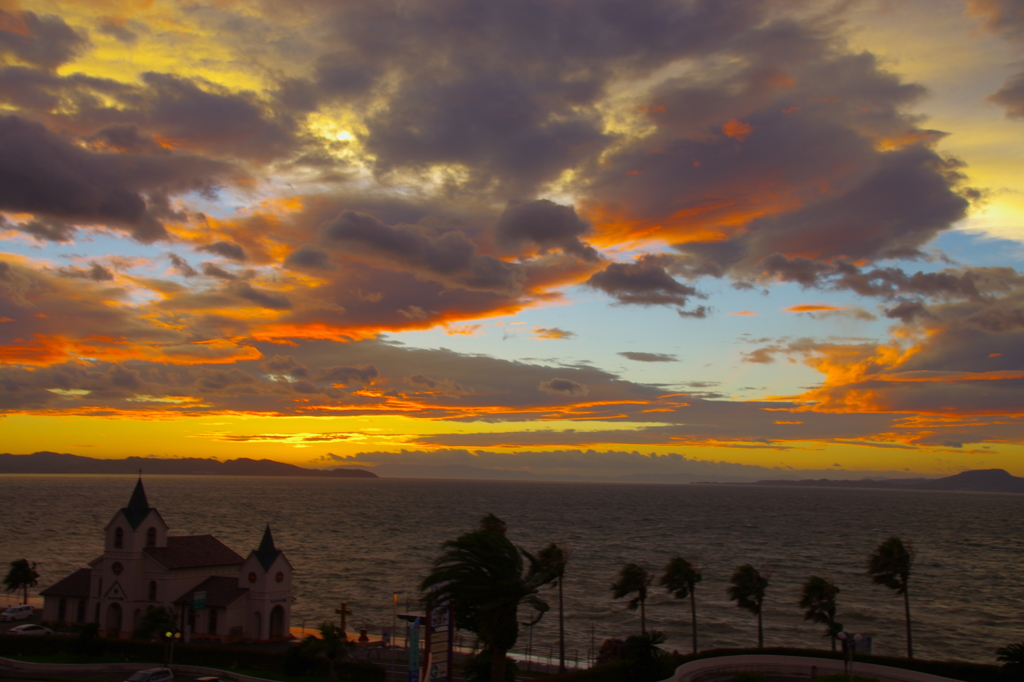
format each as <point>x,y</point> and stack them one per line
<point>747,590</point>
<point>21,577</point>
<point>634,578</point>
<point>332,643</point>
<point>1012,658</point>
<point>680,578</point>
<point>481,575</point>
<point>819,598</point>
<point>553,559</point>
<point>889,565</point>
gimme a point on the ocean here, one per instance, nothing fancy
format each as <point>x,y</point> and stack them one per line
<point>360,541</point>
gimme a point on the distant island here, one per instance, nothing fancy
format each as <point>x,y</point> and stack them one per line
<point>978,481</point>
<point>58,463</point>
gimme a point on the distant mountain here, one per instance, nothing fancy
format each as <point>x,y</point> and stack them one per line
<point>58,463</point>
<point>979,481</point>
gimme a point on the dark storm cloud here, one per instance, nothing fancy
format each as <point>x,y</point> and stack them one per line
<point>490,123</point>
<point>648,357</point>
<point>125,138</point>
<point>42,173</point>
<point>362,374</point>
<point>645,282</point>
<point>505,91</point>
<point>1005,18</point>
<point>42,41</point>
<point>212,119</point>
<point>286,364</point>
<point>261,297</point>
<point>181,265</point>
<point>217,272</point>
<point>95,272</point>
<point>1011,96</point>
<point>563,387</point>
<point>119,30</point>
<point>546,225</point>
<point>449,256</point>
<point>308,257</point>
<point>228,250</point>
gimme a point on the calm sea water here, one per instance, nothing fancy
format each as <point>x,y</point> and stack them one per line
<point>359,541</point>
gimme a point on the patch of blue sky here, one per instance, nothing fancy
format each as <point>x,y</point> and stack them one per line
<point>979,249</point>
<point>709,353</point>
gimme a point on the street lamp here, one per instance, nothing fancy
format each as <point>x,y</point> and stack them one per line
<point>172,636</point>
<point>850,641</point>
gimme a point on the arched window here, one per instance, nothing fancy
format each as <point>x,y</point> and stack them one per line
<point>118,537</point>
<point>80,614</point>
<point>151,537</point>
<point>152,590</point>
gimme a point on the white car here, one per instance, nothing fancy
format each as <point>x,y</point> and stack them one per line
<point>152,675</point>
<point>30,629</point>
<point>23,612</point>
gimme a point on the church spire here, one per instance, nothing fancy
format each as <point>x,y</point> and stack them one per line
<point>138,507</point>
<point>267,551</point>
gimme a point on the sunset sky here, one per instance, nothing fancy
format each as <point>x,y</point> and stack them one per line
<point>590,237</point>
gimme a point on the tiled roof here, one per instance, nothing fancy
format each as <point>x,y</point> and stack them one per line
<point>193,551</point>
<point>75,585</point>
<point>220,592</point>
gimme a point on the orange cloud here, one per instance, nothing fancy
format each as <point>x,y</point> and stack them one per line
<point>738,130</point>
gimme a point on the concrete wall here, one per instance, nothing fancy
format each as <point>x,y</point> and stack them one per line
<point>793,665</point>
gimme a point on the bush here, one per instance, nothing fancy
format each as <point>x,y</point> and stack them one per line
<point>477,668</point>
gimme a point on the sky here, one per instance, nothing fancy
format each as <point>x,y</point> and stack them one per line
<point>586,238</point>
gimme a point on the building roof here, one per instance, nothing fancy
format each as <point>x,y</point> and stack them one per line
<point>267,552</point>
<point>220,592</point>
<point>193,551</point>
<point>75,585</point>
<point>138,507</point>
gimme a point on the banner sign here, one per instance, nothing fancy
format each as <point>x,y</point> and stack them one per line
<point>440,640</point>
<point>198,601</point>
<point>414,651</point>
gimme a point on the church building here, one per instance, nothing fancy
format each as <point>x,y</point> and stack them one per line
<point>142,566</point>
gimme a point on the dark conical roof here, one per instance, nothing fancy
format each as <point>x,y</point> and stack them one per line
<point>138,507</point>
<point>267,551</point>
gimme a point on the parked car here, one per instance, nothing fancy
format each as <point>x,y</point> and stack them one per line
<point>22,612</point>
<point>30,629</point>
<point>152,675</point>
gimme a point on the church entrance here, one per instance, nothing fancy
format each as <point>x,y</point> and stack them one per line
<point>114,620</point>
<point>277,622</point>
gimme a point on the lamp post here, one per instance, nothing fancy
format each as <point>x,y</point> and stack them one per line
<point>172,636</point>
<point>850,641</point>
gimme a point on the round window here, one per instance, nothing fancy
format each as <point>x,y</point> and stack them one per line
<point>279,577</point>
<point>117,568</point>
<point>252,577</point>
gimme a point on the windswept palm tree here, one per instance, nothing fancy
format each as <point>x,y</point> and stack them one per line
<point>553,560</point>
<point>482,574</point>
<point>747,590</point>
<point>819,600</point>
<point>634,578</point>
<point>332,643</point>
<point>21,577</point>
<point>680,578</point>
<point>890,565</point>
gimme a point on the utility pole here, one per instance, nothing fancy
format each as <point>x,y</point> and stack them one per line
<point>344,612</point>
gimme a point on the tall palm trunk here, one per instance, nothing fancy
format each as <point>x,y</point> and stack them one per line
<point>643,617</point>
<point>760,631</point>
<point>561,629</point>
<point>25,598</point>
<point>693,614</point>
<point>498,664</point>
<point>906,608</point>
